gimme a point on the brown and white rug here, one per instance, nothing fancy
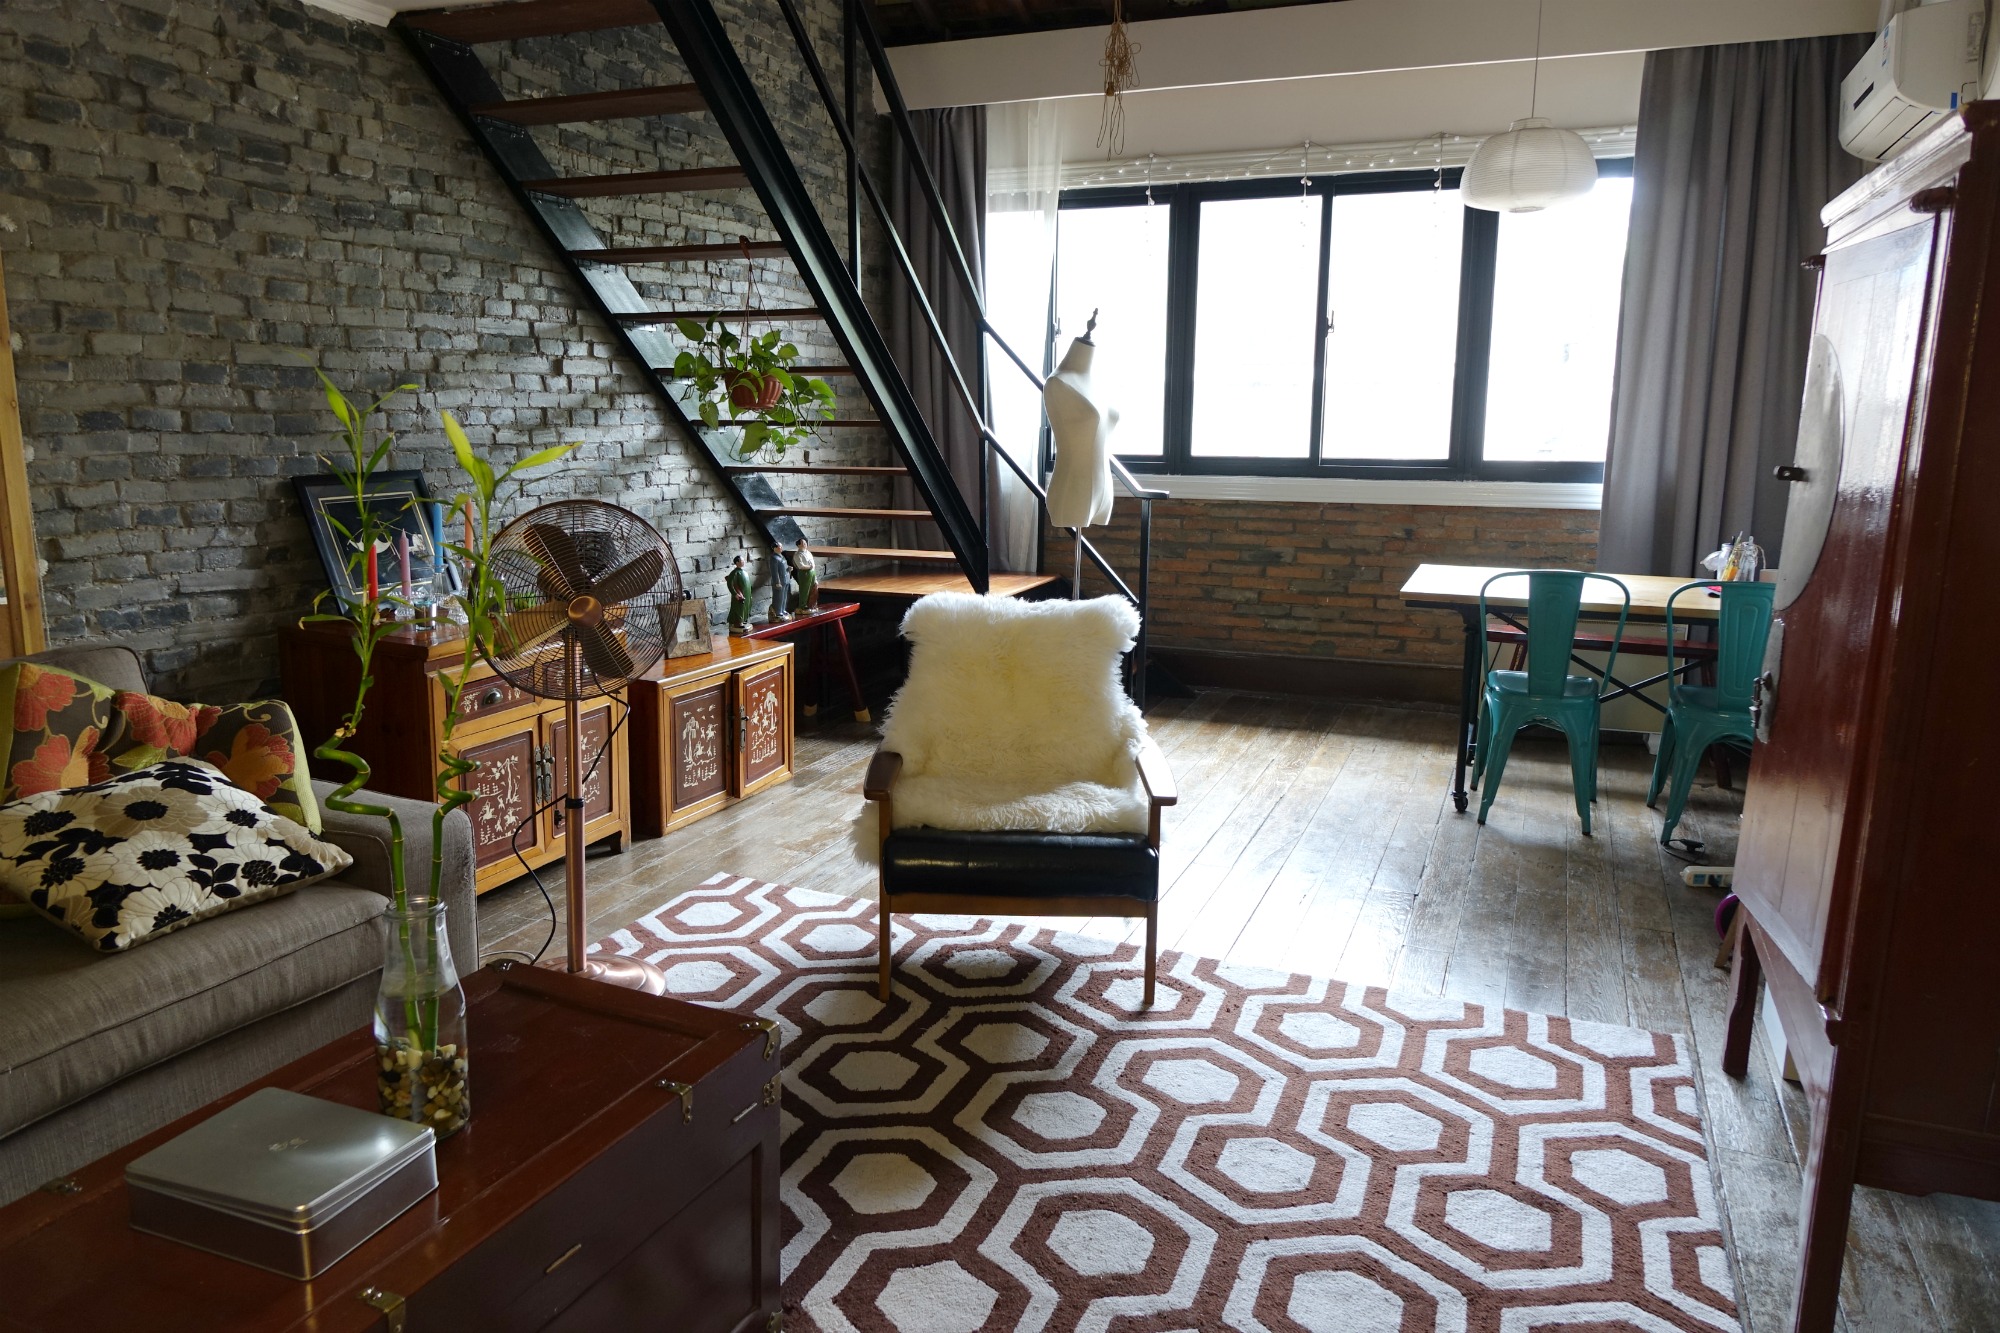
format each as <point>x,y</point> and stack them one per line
<point>1008,1145</point>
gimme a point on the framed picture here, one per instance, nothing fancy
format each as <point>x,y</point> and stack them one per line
<point>690,636</point>
<point>400,503</point>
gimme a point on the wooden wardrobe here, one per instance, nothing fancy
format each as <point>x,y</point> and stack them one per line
<point>1869,864</point>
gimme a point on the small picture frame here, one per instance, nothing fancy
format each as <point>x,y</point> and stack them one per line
<point>401,503</point>
<point>690,636</point>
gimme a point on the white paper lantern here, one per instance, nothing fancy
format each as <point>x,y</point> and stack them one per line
<point>1531,166</point>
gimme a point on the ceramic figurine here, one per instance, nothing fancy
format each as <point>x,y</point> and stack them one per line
<point>738,583</point>
<point>805,578</point>
<point>781,587</point>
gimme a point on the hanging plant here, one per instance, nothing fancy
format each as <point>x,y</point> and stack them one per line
<point>747,380</point>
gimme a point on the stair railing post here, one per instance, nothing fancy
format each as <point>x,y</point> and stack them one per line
<point>1145,598</point>
<point>850,70</point>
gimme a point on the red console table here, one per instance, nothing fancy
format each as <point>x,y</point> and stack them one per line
<point>832,635</point>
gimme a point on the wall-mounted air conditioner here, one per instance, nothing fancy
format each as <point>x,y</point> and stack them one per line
<point>1923,65</point>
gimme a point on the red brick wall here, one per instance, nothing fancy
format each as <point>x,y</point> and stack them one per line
<point>1318,580</point>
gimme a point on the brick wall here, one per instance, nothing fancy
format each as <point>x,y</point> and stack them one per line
<point>201,191</point>
<point>1318,581</point>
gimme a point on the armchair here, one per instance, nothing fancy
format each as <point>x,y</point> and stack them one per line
<point>1015,777</point>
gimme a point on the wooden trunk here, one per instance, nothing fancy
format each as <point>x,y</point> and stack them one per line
<point>1867,859</point>
<point>517,739</point>
<point>620,1172</point>
<point>708,731</point>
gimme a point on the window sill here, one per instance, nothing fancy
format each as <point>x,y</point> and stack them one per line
<point>1358,490</point>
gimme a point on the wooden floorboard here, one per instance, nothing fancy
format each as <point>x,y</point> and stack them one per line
<point>1319,837</point>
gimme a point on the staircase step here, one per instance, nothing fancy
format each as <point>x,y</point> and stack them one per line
<point>881,586</point>
<point>835,511</point>
<point>640,182</point>
<point>668,100</point>
<point>534,18</point>
<point>669,254</point>
<point>888,553</point>
<point>811,470</point>
<point>641,317</point>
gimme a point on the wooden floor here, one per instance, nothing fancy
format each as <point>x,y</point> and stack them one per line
<point>1318,837</point>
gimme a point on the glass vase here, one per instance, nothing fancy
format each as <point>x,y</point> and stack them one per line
<point>421,1056</point>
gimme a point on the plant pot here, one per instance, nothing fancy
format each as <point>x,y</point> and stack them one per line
<point>421,1057</point>
<point>751,393</point>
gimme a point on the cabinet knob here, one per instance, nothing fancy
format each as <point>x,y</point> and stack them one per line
<point>493,695</point>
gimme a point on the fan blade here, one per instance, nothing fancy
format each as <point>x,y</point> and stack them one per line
<point>630,580</point>
<point>558,549</point>
<point>604,653</point>
<point>517,633</point>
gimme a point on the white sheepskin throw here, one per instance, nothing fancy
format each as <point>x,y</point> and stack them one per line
<point>1013,717</point>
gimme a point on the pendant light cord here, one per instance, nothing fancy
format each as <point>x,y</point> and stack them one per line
<point>1535,88</point>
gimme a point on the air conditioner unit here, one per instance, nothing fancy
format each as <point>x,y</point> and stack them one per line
<point>1923,65</point>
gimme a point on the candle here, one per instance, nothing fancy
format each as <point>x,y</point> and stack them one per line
<point>372,589</point>
<point>403,560</point>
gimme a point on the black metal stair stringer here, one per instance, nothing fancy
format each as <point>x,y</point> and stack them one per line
<point>463,79</point>
<point>710,56</point>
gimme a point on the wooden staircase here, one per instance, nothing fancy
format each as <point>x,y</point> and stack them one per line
<point>450,44</point>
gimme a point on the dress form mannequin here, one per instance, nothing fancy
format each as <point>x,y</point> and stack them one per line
<point>1080,486</point>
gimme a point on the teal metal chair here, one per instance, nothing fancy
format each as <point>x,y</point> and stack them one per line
<point>1545,692</point>
<point>1701,716</point>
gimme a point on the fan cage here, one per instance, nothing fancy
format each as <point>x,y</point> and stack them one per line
<point>588,595</point>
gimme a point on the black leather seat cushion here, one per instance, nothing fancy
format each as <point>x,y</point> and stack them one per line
<point>1021,865</point>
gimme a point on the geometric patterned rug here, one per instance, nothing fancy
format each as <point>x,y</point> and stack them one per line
<point>1009,1145</point>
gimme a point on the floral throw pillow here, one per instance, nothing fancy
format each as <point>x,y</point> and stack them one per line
<point>60,726</point>
<point>125,861</point>
<point>256,745</point>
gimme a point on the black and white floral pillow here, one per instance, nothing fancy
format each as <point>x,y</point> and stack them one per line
<point>125,861</point>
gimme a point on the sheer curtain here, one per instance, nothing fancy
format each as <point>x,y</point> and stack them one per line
<point>1023,184</point>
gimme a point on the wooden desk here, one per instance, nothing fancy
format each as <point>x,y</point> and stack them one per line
<point>620,1172</point>
<point>1456,588</point>
<point>826,619</point>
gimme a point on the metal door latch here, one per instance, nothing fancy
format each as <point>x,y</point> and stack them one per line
<point>1763,696</point>
<point>389,1303</point>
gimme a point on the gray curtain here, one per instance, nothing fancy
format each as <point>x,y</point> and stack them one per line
<point>954,142</point>
<point>1737,153</point>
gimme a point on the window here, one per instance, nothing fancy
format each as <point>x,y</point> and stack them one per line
<point>1358,325</point>
<point>1113,259</point>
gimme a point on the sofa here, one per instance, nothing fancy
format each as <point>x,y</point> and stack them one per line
<point>97,1050</point>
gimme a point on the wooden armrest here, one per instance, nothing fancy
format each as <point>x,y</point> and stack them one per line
<point>1153,771</point>
<point>882,771</point>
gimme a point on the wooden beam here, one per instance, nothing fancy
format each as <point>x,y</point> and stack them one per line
<point>21,613</point>
<point>532,18</point>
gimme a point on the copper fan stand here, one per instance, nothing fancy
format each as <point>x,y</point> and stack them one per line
<point>633,973</point>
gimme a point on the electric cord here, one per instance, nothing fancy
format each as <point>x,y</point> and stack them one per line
<point>514,839</point>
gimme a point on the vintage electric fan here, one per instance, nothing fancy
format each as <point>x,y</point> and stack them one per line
<point>590,596</point>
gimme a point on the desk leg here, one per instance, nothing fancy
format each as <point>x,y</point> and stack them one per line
<point>861,713</point>
<point>1468,703</point>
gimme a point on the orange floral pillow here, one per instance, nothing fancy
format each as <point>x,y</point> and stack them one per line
<point>256,745</point>
<point>60,725</point>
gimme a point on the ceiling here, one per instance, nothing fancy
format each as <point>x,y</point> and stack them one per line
<point>910,22</point>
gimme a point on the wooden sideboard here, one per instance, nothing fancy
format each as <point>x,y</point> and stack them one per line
<point>709,730</point>
<point>517,739</point>
<point>1866,864</point>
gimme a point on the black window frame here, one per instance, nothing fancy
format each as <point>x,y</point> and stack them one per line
<point>1478,262</point>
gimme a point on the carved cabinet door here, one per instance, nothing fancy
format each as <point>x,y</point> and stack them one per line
<point>503,787</point>
<point>699,744</point>
<point>764,736</point>
<point>600,787</point>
